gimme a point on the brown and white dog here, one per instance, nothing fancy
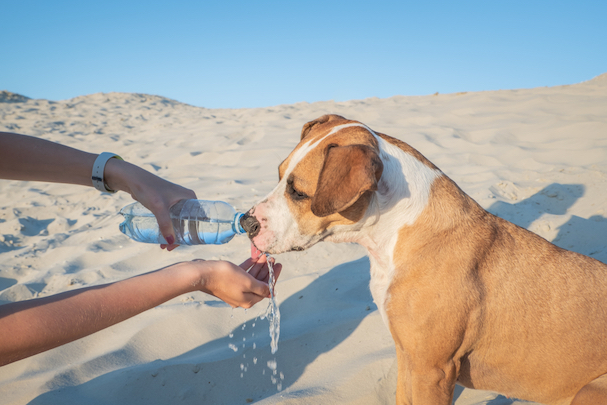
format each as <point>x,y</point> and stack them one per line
<point>468,297</point>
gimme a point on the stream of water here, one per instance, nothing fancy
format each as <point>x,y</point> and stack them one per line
<point>273,312</point>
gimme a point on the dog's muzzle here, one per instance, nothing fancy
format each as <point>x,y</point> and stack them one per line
<point>250,224</point>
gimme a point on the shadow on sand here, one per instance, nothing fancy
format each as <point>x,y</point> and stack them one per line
<point>585,236</point>
<point>199,376</point>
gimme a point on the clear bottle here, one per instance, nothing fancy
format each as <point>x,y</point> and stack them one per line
<point>196,222</point>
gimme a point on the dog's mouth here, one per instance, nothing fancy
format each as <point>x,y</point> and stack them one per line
<point>271,249</point>
<point>253,228</point>
<point>309,244</point>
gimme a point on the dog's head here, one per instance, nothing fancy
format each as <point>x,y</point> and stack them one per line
<point>325,186</point>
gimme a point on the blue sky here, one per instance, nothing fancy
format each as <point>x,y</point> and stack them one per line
<point>236,53</point>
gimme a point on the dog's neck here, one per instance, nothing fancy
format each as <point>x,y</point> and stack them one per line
<point>403,194</point>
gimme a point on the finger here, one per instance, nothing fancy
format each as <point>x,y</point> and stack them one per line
<point>257,269</point>
<point>249,300</point>
<point>260,289</point>
<point>277,271</point>
<point>247,264</point>
<point>165,225</point>
<point>258,266</point>
<point>191,194</point>
<point>265,274</point>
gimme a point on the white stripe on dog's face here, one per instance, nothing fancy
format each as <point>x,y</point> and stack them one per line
<point>301,152</point>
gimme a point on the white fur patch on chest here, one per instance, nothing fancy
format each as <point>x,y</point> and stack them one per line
<point>403,193</point>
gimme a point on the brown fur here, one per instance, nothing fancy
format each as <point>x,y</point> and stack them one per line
<point>476,299</point>
<point>482,301</point>
<point>308,176</point>
<point>347,173</point>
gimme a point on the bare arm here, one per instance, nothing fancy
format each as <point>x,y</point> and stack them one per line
<point>25,157</point>
<point>33,326</point>
<point>28,158</point>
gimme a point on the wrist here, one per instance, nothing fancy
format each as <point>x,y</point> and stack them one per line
<point>185,277</point>
<point>196,275</point>
<point>98,175</point>
<point>115,174</point>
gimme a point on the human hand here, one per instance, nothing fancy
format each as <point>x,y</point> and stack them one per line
<point>155,193</point>
<point>262,273</point>
<point>233,284</point>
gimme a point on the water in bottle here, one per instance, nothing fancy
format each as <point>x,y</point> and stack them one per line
<point>196,222</point>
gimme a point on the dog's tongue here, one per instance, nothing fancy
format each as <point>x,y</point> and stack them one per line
<point>255,252</point>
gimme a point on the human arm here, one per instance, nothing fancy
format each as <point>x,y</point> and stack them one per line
<point>33,326</point>
<point>28,158</point>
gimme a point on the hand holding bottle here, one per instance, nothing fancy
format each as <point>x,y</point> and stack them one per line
<point>194,222</point>
<point>156,194</point>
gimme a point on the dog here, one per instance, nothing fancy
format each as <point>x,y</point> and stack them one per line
<point>468,297</point>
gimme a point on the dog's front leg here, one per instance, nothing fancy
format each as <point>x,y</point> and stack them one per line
<point>433,385</point>
<point>425,386</point>
<point>403,381</point>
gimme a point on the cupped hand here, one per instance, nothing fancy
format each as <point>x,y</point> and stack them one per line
<point>238,286</point>
<point>260,269</point>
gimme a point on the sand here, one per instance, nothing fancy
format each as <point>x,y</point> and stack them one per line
<point>537,157</point>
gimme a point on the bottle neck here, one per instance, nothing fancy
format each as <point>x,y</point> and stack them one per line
<point>236,224</point>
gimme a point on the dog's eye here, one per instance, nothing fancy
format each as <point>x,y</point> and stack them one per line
<point>295,194</point>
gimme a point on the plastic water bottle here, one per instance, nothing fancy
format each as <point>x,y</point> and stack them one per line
<point>196,222</point>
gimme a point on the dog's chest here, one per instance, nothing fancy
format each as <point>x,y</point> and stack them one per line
<point>381,278</point>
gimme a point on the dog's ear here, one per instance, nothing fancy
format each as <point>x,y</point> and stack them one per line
<point>347,173</point>
<point>325,118</point>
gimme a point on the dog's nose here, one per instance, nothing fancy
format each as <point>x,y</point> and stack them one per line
<point>250,224</point>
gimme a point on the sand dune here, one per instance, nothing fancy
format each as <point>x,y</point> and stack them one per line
<point>537,157</point>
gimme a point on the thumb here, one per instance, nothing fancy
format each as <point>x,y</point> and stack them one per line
<point>260,288</point>
<point>165,225</point>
